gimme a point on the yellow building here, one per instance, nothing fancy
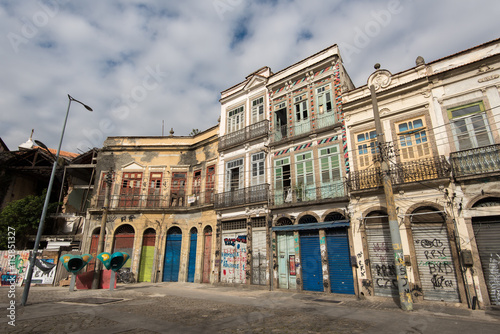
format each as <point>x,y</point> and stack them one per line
<point>160,206</point>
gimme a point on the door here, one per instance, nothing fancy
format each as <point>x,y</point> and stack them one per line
<point>124,242</point>
<point>207,254</point>
<point>282,179</point>
<point>310,255</point>
<point>287,278</point>
<point>339,264</point>
<point>172,255</point>
<point>302,123</point>
<point>259,259</point>
<point>487,234</point>
<point>234,257</point>
<point>147,256</point>
<point>192,256</point>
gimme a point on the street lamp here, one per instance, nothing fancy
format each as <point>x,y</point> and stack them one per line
<point>45,206</point>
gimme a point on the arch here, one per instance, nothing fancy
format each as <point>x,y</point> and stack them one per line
<point>172,255</point>
<point>333,216</point>
<point>124,242</point>
<point>308,219</point>
<point>147,255</point>
<point>207,254</point>
<point>427,214</point>
<point>124,229</point>
<point>487,202</point>
<point>283,221</point>
<point>97,231</point>
<point>193,230</point>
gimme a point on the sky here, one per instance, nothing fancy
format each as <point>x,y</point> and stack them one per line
<point>145,67</point>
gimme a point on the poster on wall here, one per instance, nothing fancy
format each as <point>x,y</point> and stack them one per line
<point>44,271</point>
<point>291,262</point>
<point>14,263</point>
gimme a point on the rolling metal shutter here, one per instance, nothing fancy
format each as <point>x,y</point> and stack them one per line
<point>172,258</point>
<point>435,262</point>
<point>259,261</point>
<point>488,243</point>
<point>310,254</point>
<point>339,264</point>
<point>382,266</point>
<point>125,243</point>
<point>192,257</point>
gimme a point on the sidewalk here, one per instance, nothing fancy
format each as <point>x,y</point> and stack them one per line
<point>202,308</point>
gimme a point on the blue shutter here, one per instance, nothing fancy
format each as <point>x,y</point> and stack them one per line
<point>192,257</point>
<point>310,254</point>
<point>339,264</point>
<point>172,258</point>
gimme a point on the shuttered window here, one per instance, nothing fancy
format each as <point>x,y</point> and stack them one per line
<point>470,126</point>
<point>365,148</point>
<point>413,141</point>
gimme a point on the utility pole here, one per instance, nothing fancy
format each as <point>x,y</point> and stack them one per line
<point>401,275</point>
<point>100,245</point>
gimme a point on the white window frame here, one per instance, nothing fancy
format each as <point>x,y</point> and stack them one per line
<point>236,119</point>
<point>322,94</point>
<point>470,121</point>
<point>258,168</point>
<point>230,166</point>
<point>301,109</point>
<point>258,112</point>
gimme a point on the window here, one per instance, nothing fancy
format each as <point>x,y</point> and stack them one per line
<point>235,119</point>
<point>281,121</point>
<point>365,145</point>
<point>130,190</point>
<point>331,175</point>
<point>209,184</point>
<point>413,139</point>
<point>282,181</point>
<point>324,98</point>
<point>177,189</point>
<point>301,108</point>
<point>234,175</point>
<point>304,187</point>
<point>470,126</point>
<point>154,190</point>
<point>196,182</point>
<point>258,110</point>
<point>258,175</point>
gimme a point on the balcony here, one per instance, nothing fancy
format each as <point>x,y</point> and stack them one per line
<point>289,131</point>
<point>297,195</point>
<point>153,202</point>
<point>242,196</point>
<point>239,137</point>
<point>413,171</point>
<point>476,161</point>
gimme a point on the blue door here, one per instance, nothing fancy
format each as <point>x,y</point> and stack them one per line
<point>172,256</point>
<point>339,264</point>
<point>310,255</point>
<point>192,257</point>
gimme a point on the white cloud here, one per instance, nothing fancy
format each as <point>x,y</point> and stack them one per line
<point>105,53</point>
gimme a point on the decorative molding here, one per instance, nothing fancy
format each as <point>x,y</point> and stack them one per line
<point>380,79</point>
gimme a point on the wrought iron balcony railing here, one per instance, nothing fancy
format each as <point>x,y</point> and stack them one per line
<point>413,171</point>
<point>179,200</point>
<point>293,195</point>
<point>304,127</point>
<point>239,137</point>
<point>476,161</point>
<point>254,194</point>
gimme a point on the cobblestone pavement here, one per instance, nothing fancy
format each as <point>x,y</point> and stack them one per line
<point>194,308</point>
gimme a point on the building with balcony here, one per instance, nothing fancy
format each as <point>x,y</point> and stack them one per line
<point>242,201</point>
<point>161,205</point>
<point>439,122</point>
<point>309,196</point>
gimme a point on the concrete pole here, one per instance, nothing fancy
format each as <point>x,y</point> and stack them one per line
<point>401,275</point>
<point>100,245</point>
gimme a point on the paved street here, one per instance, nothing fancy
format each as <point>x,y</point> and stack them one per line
<point>196,308</point>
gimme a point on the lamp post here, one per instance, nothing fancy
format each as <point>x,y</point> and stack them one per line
<point>45,207</point>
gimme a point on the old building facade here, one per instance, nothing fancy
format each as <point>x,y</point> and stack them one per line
<point>439,122</point>
<point>160,207</point>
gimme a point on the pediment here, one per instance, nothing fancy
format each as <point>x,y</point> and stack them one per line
<point>255,81</point>
<point>133,166</point>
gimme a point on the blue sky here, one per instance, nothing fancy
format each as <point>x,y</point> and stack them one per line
<point>138,63</point>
